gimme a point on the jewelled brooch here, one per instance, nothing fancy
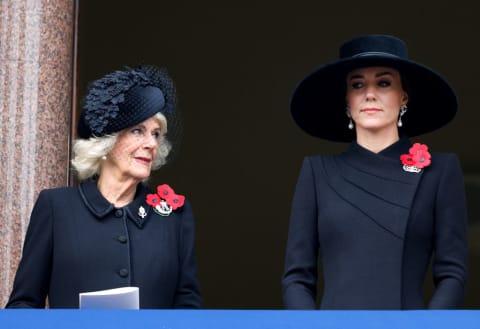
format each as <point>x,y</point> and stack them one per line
<point>417,158</point>
<point>165,200</point>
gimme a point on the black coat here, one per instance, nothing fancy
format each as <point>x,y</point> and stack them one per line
<point>77,241</point>
<point>375,228</point>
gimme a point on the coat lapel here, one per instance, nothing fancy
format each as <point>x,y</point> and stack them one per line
<point>375,184</point>
<point>139,211</point>
<point>101,208</point>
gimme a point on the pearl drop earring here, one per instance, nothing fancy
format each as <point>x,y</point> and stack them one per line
<point>350,123</point>
<point>403,110</point>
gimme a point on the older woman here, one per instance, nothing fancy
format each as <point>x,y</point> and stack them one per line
<point>377,214</point>
<point>112,231</point>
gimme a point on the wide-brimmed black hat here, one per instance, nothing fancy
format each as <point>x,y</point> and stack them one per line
<point>125,98</point>
<point>318,102</point>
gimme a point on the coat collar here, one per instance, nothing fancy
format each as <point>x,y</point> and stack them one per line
<point>386,162</point>
<point>101,207</point>
<point>376,184</point>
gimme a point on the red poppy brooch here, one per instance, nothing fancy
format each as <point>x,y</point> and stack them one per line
<point>417,159</point>
<point>165,200</point>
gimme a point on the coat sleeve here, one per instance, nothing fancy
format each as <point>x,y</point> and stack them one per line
<point>188,291</point>
<point>300,276</point>
<point>32,279</point>
<point>451,247</point>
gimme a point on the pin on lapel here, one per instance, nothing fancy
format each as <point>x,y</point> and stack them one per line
<point>411,169</point>
<point>165,200</point>
<point>141,212</point>
<point>417,158</point>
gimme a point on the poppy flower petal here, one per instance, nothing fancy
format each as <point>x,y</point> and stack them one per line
<point>418,156</point>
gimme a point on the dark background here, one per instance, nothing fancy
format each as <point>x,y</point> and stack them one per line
<point>235,64</point>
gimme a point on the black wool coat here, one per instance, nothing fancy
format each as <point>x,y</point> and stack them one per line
<point>375,229</point>
<point>77,241</point>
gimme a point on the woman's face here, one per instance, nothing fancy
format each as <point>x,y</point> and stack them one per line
<point>133,153</point>
<point>374,96</point>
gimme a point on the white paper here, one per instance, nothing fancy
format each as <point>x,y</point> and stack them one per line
<point>118,298</point>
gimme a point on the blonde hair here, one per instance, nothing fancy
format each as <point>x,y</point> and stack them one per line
<point>88,153</point>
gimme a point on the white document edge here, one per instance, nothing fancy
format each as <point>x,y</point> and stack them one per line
<point>118,298</point>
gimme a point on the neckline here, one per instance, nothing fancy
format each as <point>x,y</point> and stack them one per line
<point>384,163</point>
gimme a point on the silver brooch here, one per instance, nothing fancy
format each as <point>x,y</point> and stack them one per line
<point>411,169</point>
<point>141,212</point>
<point>163,209</point>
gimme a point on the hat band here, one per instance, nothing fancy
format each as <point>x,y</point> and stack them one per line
<point>374,53</point>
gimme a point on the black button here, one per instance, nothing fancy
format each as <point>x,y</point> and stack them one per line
<point>118,213</point>
<point>122,238</point>
<point>123,272</point>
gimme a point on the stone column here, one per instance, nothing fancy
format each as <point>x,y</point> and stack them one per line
<point>37,57</point>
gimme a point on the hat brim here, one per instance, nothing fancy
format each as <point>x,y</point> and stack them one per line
<point>318,102</point>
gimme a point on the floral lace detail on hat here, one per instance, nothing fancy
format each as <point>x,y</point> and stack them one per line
<point>101,103</point>
<point>165,200</point>
<point>417,158</point>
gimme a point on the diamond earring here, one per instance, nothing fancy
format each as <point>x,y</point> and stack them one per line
<point>403,110</point>
<point>350,123</point>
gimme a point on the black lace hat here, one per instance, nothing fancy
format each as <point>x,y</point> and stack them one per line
<point>127,97</point>
<point>318,102</point>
